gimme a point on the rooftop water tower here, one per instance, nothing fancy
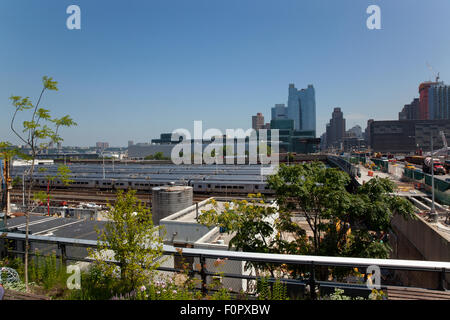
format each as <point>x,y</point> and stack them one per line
<point>167,200</point>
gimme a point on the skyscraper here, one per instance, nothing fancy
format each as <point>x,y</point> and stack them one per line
<point>423,104</point>
<point>439,102</point>
<point>302,108</point>
<point>336,128</point>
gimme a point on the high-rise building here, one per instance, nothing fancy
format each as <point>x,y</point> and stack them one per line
<point>423,105</point>
<point>258,121</point>
<point>130,143</point>
<point>434,101</point>
<point>302,108</point>
<point>410,111</point>
<point>279,112</point>
<point>336,129</point>
<point>439,102</point>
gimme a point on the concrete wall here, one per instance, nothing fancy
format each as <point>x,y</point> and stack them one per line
<point>186,231</point>
<point>228,266</point>
<point>417,240</point>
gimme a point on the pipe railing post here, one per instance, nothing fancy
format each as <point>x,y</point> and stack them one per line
<point>62,247</point>
<point>203,274</point>
<point>442,282</point>
<point>312,282</point>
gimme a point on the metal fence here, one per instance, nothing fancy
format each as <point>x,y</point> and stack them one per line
<point>203,264</point>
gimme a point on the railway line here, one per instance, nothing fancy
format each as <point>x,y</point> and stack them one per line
<point>75,197</point>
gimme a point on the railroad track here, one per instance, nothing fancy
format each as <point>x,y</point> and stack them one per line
<point>98,197</point>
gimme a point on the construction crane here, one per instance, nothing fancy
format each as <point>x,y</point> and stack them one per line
<point>436,75</point>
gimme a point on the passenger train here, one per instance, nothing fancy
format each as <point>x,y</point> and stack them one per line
<point>198,185</point>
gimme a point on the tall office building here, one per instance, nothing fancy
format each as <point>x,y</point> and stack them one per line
<point>336,129</point>
<point>279,112</point>
<point>302,108</point>
<point>423,104</point>
<point>258,121</point>
<point>439,102</point>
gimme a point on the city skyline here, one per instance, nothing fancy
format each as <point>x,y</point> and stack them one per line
<point>133,72</point>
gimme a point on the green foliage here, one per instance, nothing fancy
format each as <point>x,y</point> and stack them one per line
<point>8,152</point>
<point>250,222</point>
<point>41,125</point>
<point>17,181</point>
<point>341,223</point>
<point>45,271</point>
<point>221,294</point>
<point>271,291</point>
<point>95,285</point>
<point>156,156</point>
<point>377,295</point>
<point>130,239</point>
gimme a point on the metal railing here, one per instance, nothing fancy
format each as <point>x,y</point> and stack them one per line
<point>202,255</point>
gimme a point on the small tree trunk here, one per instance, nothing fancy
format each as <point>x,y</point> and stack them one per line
<point>27,217</point>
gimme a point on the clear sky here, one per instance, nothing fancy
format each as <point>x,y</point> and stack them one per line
<point>141,67</point>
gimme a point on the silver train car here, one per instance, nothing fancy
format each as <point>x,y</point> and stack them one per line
<point>198,185</point>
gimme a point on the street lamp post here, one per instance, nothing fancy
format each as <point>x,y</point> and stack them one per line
<point>433,214</point>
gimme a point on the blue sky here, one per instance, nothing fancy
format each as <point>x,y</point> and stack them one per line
<point>138,68</point>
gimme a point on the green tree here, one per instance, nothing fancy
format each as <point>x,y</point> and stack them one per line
<point>130,239</point>
<point>36,133</point>
<point>342,223</point>
<point>156,156</point>
<point>255,228</point>
<point>159,156</point>
<point>339,223</point>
